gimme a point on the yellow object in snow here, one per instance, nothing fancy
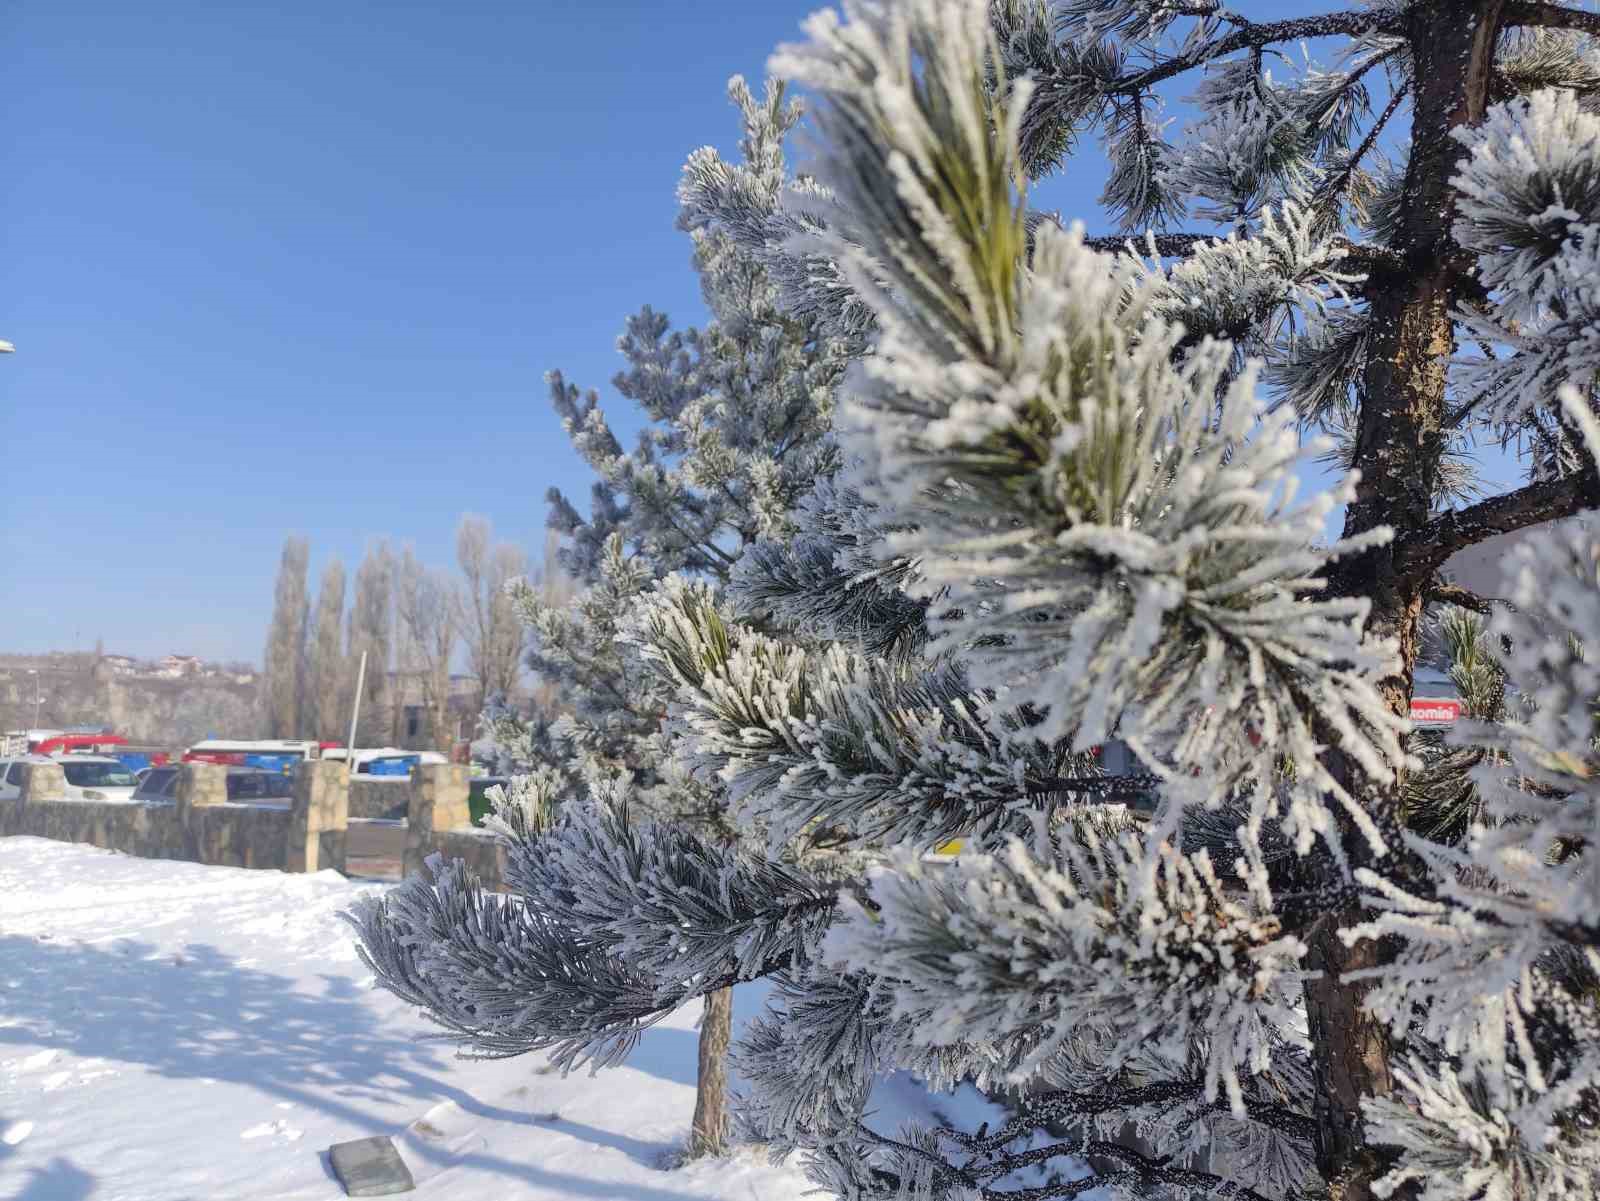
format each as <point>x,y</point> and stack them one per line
<point>946,850</point>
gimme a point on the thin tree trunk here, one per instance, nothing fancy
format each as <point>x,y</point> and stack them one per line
<point>1399,444</point>
<point>709,1133</point>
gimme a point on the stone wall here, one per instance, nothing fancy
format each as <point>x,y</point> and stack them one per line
<point>484,856</point>
<point>438,821</point>
<point>229,835</point>
<point>42,810</point>
<point>310,833</point>
<point>381,796</point>
<point>222,834</point>
<point>201,826</point>
<point>150,831</point>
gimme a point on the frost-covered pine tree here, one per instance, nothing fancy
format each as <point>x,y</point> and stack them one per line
<point>1068,509</point>
<point>737,416</point>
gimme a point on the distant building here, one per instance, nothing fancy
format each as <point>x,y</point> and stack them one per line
<point>411,730</point>
<point>175,667</point>
<point>122,665</point>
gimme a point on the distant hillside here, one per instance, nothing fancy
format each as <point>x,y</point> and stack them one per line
<point>178,700</point>
<point>148,702</point>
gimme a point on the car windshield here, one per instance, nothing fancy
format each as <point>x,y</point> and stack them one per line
<point>258,786</point>
<point>98,775</point>
<point>157,782</point>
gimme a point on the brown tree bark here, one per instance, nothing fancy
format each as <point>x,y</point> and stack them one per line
<point>708,1134</point>
<point>1400,439</point>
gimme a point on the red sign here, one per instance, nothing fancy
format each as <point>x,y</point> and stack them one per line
<point>1426,711</point>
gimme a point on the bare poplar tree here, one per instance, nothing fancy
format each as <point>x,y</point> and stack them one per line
<point>284,661</point>
<point>489,624</point>
<point>328,676</point>
<point>371,629</point>
<point>425,611</point>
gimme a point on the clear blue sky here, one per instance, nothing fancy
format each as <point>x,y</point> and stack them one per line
<point>301,268</point>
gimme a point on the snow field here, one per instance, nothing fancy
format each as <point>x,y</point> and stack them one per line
<point>175,1032</point>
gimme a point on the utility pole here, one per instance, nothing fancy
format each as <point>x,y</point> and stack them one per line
<point>355,710</point>
<point>34,672</point>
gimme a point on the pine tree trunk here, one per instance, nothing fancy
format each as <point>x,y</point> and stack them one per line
<point>1400,439</point>
<point>709,1132</point>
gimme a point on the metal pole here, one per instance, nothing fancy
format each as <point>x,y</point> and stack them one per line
<point>35,676</point>
<point>355,710</point>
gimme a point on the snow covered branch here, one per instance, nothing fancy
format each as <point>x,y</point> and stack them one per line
<point>1551,16</point>
<point>1499,951</point>
<point>829,581</point>
<point>1154,563</point>
<point>616,925</point>
<point>773,219</point>
<point>501,977</point>
<point>675,905</point>
<point>1247,35</point>
<point>1359,255</point>
<point>835,739</point>
<point>1530,183</point>
<point>1146,948</point>
<point>1531,505</point>
<point>1454,594</point>
<point>1530,211</point>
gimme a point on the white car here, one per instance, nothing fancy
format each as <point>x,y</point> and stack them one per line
<point>89,777</point>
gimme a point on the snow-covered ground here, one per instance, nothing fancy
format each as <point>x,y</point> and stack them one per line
<point>173,1032</point>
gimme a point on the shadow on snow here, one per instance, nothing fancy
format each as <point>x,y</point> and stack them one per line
<point>201,1015</point>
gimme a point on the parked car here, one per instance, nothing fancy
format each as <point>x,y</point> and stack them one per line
<point>383,760</point>
<point>11,775</point>
<point>89,777</point>
<point>158,784</point>
<point>252,784</point>
<point>249,784</point>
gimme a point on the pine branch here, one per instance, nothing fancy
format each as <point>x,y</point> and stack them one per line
<point>1102,787</point>
<point>1144,1171</point>
<point>1551,16</point>
<point>609,950</point>
<point>1155,1171</point>
<point>1166,245</point>
<point>1340,182</point>
<point>1547,500</point>
<point>1176,245</point>
<point>1453,594</point>
<point>1253,35</point>
<point>1053,1106</point>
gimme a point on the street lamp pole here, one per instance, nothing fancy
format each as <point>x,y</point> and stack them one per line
<point>35,674</point>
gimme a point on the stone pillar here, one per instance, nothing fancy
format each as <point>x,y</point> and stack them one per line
<point>438,804</point>
<point>319,816</point>
<point>200,787</point>
<point>42,782</point>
